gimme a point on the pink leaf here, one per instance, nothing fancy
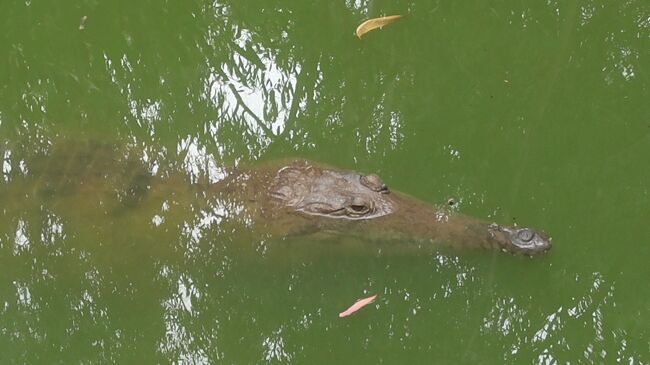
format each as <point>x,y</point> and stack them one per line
<point>358,305</point>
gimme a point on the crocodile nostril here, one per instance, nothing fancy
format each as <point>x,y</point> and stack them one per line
<point>525,235</point>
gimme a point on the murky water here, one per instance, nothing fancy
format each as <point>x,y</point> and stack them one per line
<point>536,114</point>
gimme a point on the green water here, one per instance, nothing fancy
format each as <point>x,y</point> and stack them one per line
<point>538,114</point>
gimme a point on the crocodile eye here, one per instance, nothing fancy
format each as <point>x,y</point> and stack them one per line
<point>358,207</point>
<point>526,235</point>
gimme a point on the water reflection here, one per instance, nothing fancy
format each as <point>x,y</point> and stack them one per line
<point>261,84</point>
<point>275,348</point>
<point>21,242</point>
<point>581,326</point>
<point>269,83</point>
<point>185,284</point>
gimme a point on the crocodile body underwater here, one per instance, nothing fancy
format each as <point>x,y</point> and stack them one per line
<point>280,199</point>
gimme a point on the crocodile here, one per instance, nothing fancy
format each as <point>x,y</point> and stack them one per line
<point>280,198</point>
<point>312,197</point>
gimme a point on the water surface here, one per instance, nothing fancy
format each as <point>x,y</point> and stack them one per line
<point>536,114</point>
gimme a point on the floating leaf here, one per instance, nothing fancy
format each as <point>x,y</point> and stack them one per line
<point>358,305</point>
<point>374,23</point>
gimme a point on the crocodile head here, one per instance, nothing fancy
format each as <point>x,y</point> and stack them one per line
<point>332,193</point>
<point>346,195</point>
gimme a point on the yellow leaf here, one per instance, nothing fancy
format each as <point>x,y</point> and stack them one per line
<point>374,23</point>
